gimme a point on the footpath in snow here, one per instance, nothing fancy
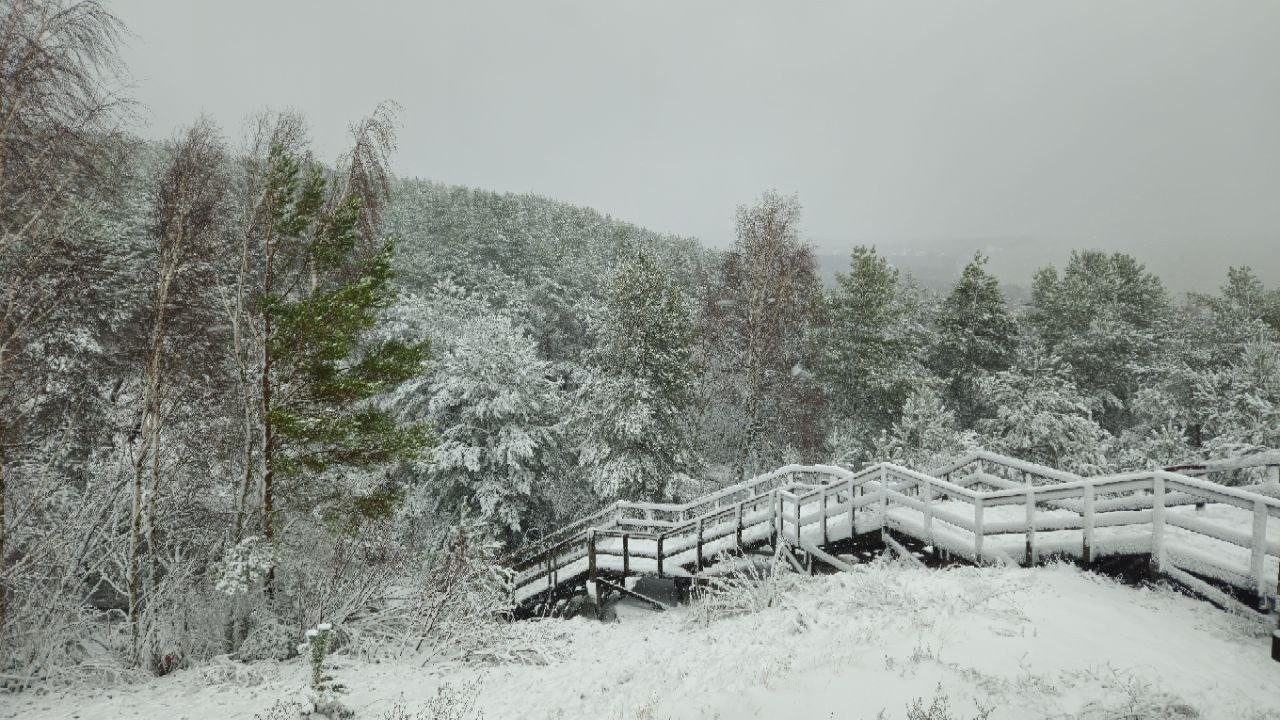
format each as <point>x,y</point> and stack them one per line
<point>1049,642</point>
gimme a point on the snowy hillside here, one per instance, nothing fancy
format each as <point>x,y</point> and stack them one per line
<point>1051,642</point>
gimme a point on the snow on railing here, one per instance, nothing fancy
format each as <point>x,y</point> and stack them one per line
<point>809,506</point>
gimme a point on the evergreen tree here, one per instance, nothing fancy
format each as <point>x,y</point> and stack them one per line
<point>318,294</point>
<point>1041,415</point>
<point>926,435</point>
<point>869,350</point>
<point>976,336</point>
<point>498,417</point>
<point>638,441</point>
<point>1103,316</point>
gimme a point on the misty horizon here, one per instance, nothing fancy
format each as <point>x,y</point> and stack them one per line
<point>1024,131</point>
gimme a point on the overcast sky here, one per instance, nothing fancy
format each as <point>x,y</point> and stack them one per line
<point>1025,128</point>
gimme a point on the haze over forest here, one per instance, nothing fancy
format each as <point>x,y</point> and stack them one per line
<point>930,131</point>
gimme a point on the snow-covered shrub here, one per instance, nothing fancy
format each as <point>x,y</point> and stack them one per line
<point>281,710</point>
<point>243,566</point>
<point>752,587</point>
<point>268,638</point>
<point>1136,699</point>
<point>926,435</point>
<point>222,671</point>
<point>457,607</point>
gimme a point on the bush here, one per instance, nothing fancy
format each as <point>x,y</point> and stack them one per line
<point>749,588</point>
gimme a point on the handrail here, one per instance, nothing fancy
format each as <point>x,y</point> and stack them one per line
<point>887,485</point>
<point>1006,461</point>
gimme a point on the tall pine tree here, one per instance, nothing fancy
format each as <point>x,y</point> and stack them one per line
<point>869,349</point>
<point>317,293</point>
<point>976,336</point>
<point>638,442</point>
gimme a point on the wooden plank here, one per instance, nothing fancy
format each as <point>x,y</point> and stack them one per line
<point>827,558</point>
<point>1209,592</point>
<point>785,551</point>
<point>901,551</point>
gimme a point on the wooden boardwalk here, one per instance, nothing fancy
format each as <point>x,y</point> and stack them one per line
<point>1222,542</point>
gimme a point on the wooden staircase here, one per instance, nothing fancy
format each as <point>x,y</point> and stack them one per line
<point>1220,542</point>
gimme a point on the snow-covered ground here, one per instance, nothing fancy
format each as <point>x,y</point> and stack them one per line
<point>1049,642</point>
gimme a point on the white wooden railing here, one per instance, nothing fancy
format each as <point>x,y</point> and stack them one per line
<point>984,507</point>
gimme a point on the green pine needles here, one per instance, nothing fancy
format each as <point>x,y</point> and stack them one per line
<point>322,292</point>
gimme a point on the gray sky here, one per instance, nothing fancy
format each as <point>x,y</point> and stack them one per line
<point>1025,128</point>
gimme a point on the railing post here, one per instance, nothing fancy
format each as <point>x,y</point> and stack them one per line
<point>591,554</point>
<point>926,489</point>
<point>977,530</point>
<point>626,556</point>
<point>1258,548</point>
<point>699,552</point>
<point>798,503</point>
<point>591,571</point>
<point>823,505</point>
<point>777,518</point>
<point>1031,526</point>
<point>853,491</point>
<point>1086,554</point>
<point>659,554</point>
<point>737,522</point>
<point>884,504</point>
<point>1157,523</point>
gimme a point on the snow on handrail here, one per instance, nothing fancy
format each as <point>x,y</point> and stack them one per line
<point>1006,461</point>
<point>783,509</point>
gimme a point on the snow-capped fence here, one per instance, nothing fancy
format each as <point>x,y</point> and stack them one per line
<point>985,508</point>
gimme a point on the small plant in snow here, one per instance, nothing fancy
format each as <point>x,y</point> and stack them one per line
<point>452,702</point>
<point>938,709</point>
<point>324,689</point>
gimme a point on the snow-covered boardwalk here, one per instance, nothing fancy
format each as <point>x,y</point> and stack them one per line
<point>984,508</point>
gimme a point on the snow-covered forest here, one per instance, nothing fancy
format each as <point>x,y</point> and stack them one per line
<point>247,391</point>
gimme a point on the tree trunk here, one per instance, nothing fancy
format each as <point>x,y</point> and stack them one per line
<point>268,454</point>
<point>4,494</point>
